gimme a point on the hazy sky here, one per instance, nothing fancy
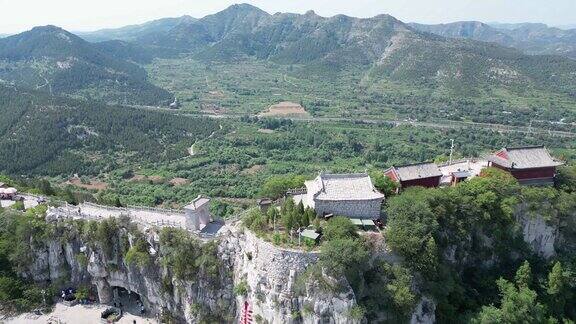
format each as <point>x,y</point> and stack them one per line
<point>19,15</point>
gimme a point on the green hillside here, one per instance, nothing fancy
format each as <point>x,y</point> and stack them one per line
<point>382,63</point>
<point>53,60</point>
<point>52,135</point>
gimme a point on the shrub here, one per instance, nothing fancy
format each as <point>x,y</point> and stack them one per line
<point>357,313</point>
<point>82,259</point>
<point>19,205</point>
<point>241,289</point>
<point>137,257</point>
<point>339,228</point>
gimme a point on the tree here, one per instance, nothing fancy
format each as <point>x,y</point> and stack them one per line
<point>400,289</point>
<point>567,178</point>
<point>518,305</point>
<point>287,207</point>
<point>558,289</point>
<point>344,256</point>
<point>411,225</point>
<point>277,186</point>
<point>117,202</point>
<point>339,228</point>
<point>289,221</point>
<point>272,215</point>
<point>311,214</point>
<point>46,188</point>
<point>518,302</point>
<point>384,184</point>
<point>523,276</point>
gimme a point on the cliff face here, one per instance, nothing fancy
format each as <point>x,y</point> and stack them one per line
<point>65,263</point>
<point>271,274</point>
<point>268,275</point>
<point>545,230</point>
<point>268,272</point>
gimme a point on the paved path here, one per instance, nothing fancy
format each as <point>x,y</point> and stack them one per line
<point>142,215</point>
<point>84,314</point>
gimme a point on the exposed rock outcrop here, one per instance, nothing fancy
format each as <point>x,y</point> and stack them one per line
<point>424,312</point>
<point>539,234</point>
<point>270,274</point>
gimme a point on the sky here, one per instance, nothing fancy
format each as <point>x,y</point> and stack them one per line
<point>87,15</point>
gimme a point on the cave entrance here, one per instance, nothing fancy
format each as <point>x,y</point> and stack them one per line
<point>128,301</point>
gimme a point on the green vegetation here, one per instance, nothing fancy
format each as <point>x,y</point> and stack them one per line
<point>240,162</point>
<point>280,226</point>
<point>424,224</point>
<point>241,289</point>
<point>90,138</point>
<point>276,186</point>
<point>187,258</point>
<point>339,228</point>
<point>19,234</point>
<point>139,253</point>
<point>225,87</point>
<point>55,61</point>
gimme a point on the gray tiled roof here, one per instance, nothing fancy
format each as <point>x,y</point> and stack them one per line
<point>525,158</point>
<point>197,203</point>
<point>417,171</point>
<point>343,187</point>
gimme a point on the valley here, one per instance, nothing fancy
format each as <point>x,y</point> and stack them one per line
<point>288,168</point>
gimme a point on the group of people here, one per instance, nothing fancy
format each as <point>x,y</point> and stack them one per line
<point>138,302</point>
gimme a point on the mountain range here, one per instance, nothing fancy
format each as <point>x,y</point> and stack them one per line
<point>530,38</point>
<point>447,58</point>
<point>381,48</point>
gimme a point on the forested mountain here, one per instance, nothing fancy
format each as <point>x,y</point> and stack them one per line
<point>132,32</point>
<point>378,49</point>
<point>133,52</point>
<point>531,38</point>
<point>45,134</point>
<point>53,60</point>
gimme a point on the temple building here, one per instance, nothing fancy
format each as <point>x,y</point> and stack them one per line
<point>350,195</point>
<point>531,165</point>
<point>198,213</point>
<point>426,175</point>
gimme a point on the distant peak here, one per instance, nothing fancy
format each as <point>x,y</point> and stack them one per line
<point>310,13</point>
<point>244,7</point>
<point>48,28</point>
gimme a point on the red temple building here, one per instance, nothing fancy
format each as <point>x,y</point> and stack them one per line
<point>420,174</point>
<point>531,165</point>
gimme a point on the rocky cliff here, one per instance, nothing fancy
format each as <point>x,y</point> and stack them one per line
<point>271,273</point>
<point>268,274</point>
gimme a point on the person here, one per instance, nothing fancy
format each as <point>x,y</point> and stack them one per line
<point>134,322</point>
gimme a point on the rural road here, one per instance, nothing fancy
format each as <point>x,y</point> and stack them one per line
<point>445,124</point>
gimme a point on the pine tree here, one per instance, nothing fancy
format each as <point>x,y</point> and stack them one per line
<point>524,275</point>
